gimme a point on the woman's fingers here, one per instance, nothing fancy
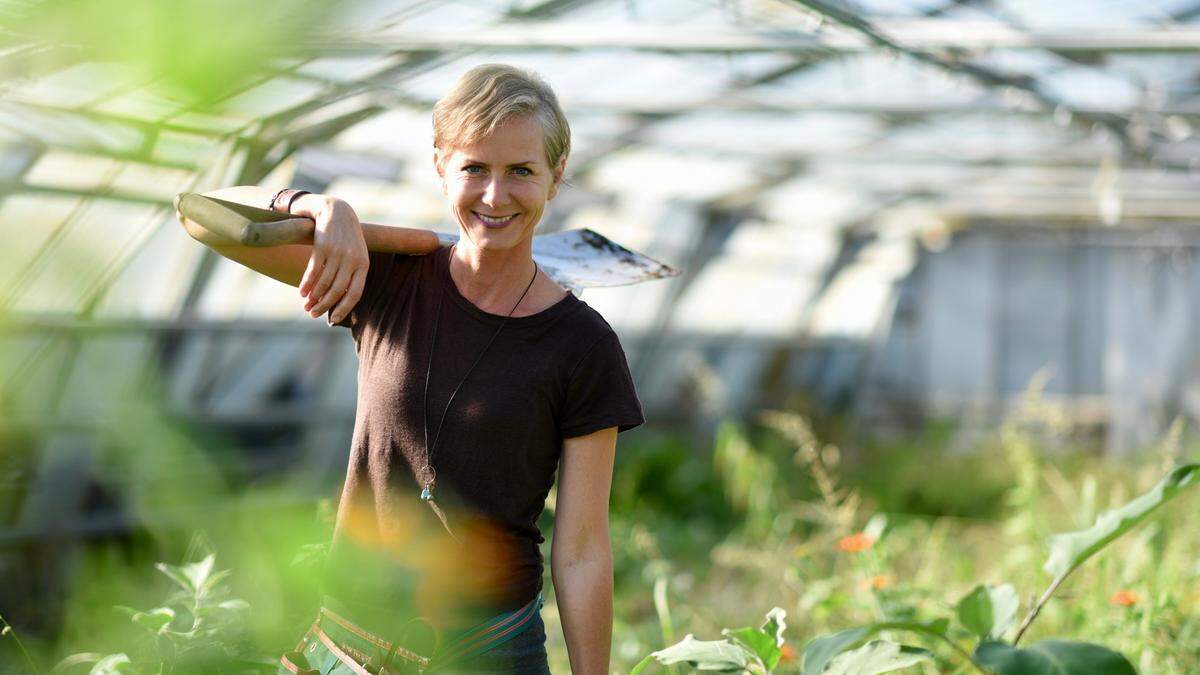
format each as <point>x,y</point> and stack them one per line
<point>324,281</point>
<point>316,265</point>
<point>338,260</point>
<point>336,290</point>
<point>350,297</point>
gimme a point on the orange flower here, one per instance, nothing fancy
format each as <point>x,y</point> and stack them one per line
<point>881,581</point>
<point>787,654</point>
<point>855,543</point>
<point>1124,598</point>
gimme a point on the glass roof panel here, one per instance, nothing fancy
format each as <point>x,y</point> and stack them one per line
<point>69,170</point>
<point>766,133</point>
<point>71,130</point>
<point>27,221</point>
<point>142,104</point>
<point>1083,86</point>
<point>173,146</point>
<point>1073,14</point>
<point>347,68</point>
<point>85,253</point>
<point>906,8</point>
<point>170,257</point>
<point>672,175</point>
<point>270,97</point>
<point>872,78</point>
<point>74,86</point>
<point>72,171</point>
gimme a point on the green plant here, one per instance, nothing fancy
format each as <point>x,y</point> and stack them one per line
<point>987,613</point>
<point>6,630</point>
<point>753,650</point>
<point>194,630</point>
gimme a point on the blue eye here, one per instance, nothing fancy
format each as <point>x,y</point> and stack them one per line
<point>472,166</point>
<point>527,172</point>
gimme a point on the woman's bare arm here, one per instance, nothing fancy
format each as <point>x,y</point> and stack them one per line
<point>284,263</point>
<point>331,271</point>
<point>581,551</point>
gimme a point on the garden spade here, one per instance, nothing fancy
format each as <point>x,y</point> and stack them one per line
<point>576,259</point>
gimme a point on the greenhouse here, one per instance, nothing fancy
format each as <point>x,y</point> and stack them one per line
<point>903,286</point>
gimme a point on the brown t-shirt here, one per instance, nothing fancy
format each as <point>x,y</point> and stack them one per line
<point>556,374</point>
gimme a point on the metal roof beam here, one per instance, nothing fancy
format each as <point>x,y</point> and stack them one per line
<point>926,34</point>
<point>8,188</point>
<point>933,56</point>
<point>748,104</point>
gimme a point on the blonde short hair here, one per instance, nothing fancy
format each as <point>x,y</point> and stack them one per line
<point>489,95</point>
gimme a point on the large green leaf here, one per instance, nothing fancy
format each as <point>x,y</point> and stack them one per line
<point>113,664</point>
<point>1053,657</point>
<point>989,611</point>
<point>767,641</point>
<point>719,655</point>
<point>1071,549</point>
<point>877,656</point>
<point>822,650</point>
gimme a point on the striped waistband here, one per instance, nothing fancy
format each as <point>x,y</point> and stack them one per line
<point>360,648</point>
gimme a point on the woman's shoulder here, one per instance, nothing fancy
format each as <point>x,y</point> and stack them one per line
<point>587,327</point>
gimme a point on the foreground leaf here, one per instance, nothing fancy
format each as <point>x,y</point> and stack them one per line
<point>1071,549</point>
<point>877,656</point>
<point>198,573</point>
<point>720,655</point>
<point>113,664</point>
<point>155,620</point>
<point>821,651</point>
<point>211,582</point>
<point>177,575</point>
<point>989,611</point>
<point>776,624</point>
<point>235,605</point>
<point>75,660</point>
<point>1053,657</point>
<point>765,642</point>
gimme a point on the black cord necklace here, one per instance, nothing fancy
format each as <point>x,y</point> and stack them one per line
<point>427,492</point>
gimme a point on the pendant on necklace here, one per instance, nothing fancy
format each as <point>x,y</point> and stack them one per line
<point>427,494</point>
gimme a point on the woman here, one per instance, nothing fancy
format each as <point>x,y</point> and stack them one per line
<point>479,377</point>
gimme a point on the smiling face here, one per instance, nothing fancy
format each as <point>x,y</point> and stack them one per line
<point>498,187</point>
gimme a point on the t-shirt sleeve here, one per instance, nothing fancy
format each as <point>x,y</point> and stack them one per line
<point>380,273</point>
<point>600,392</point>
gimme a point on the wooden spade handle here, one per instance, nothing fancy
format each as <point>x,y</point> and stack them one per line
<point>252,226</point>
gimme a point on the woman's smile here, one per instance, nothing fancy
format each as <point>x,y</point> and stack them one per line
<point>495,222</point>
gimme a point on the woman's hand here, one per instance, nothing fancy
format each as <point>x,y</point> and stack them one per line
<point>337,269</point>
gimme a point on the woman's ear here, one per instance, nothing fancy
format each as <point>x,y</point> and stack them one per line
<point>558,176</point>
<point>441,170</point>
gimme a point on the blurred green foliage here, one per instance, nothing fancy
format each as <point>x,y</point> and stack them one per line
<point>194,50</point>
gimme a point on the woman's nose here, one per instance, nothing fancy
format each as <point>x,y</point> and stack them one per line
<point>493,192</point>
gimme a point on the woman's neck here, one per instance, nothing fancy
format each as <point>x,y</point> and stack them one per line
<point>491,280</point>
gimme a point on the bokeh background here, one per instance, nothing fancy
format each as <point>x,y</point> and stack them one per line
<point>940,275</point>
